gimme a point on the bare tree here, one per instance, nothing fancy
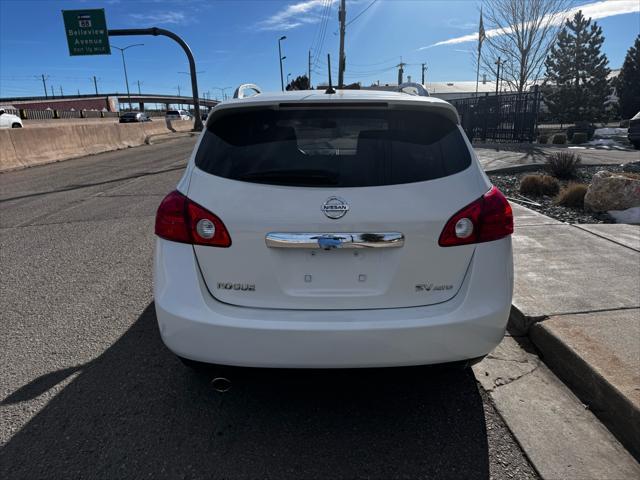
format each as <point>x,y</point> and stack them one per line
<point>520,33</point>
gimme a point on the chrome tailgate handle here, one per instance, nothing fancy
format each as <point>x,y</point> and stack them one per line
<point>330,241</point>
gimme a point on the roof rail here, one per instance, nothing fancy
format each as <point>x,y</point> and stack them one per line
<point>413,88</point>
<point>240,91</point>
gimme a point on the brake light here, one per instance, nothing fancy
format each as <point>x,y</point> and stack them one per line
<point>180,220</point>
<point>486,219</point>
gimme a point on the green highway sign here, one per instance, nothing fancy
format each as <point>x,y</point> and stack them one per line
<point>86,32</point>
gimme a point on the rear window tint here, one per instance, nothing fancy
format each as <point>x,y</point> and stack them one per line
<point>332,147</point>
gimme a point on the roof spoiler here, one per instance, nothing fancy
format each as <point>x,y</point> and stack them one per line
<point>240,91</point>
<point>413,88</point>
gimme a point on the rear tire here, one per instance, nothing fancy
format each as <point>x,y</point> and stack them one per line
<point>16,125</point>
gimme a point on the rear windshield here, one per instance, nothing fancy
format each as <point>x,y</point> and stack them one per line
<point>129,115</point>
<point>173,112</point>
<point>332,147</point>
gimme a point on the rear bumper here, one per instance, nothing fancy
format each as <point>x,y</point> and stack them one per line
<point>196,326</point>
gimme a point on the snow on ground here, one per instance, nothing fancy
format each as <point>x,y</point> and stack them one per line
<point>608,131</point>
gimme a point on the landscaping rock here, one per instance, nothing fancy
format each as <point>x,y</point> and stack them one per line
<point>631,167</point>
<point>610,191</point>
<point>630,215</point>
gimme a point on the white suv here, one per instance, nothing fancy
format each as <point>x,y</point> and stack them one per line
<point>178,115</point>
<point>315,230</point>
<point>8,120</point>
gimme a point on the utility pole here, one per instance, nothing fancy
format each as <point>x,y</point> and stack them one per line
<point>95,84</point>
<point>44,84</point>
<point>124,65</point>
<point>342,16</point>
<point>284,37</point>
<point>78,92</point>
<point>61,94</point>
<point>139,92</point>
<point>498,63</point>
<point>53,95</point>
<point>309,75</point>
<point>400,66</point>
<point>424,69</point>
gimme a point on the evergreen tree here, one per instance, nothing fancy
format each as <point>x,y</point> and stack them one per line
<point>299,83</point>
<point>628,82</point>
<point>576,85</point>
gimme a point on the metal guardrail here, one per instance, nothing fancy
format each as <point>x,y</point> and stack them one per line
<point>54,114</point>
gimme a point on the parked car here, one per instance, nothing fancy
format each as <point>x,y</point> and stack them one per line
<point>319,230</point>
<point>132,117</point>
<point>581,127</point>
<point>178,115</point>
<point>8,120</point>
<point>633,134</point>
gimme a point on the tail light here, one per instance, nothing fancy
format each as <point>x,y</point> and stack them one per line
<point>486,219</point>
<point>180,220</point>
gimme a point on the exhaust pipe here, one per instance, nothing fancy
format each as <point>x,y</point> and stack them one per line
<point>221,384</point>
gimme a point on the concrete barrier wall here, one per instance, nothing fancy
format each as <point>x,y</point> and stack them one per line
<point>24,147</point>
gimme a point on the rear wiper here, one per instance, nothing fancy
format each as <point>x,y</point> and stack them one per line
<point>307,177</point>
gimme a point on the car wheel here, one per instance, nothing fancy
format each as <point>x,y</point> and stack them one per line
<point>16,125</point>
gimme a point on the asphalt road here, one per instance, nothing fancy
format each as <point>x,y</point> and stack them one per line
<point>89,391</point>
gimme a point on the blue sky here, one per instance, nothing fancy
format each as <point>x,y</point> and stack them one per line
<point>235,41</point>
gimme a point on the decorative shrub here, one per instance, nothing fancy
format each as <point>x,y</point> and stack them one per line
<point>539,185</point>
<point>543,139</point>
<point>559,139</point>
<point>579,137</point>
<point>572,195</point>
<point>563,164</point>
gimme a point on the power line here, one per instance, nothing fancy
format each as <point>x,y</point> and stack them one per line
<point>325,21</point>
<point>318,33</point>
<point>358,16</point>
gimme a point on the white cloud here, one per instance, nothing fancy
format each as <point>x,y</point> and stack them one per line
<point>596,10</point>
<point>295,15</point>
<point>166,18</point>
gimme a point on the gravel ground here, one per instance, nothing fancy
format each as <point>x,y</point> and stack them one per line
<point>509,185</point>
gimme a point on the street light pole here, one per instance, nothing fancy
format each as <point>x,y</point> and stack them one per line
<point>124,65</point>
<point>222,89</point>
<point>288,77</point>
<point>284,37</point>
<point>188,73</point>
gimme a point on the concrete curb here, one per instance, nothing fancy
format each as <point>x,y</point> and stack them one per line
<point>613,408</point>
<point>531,167</point>
<point>159,137</point>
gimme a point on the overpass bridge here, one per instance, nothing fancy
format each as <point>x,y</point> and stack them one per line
<point>109,102</point>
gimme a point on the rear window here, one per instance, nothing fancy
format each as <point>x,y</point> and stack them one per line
<point>326,147</point>
<point>173,112</point>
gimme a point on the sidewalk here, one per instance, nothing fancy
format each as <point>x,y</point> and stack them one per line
<point>500,156</point>
<point>577,296</point>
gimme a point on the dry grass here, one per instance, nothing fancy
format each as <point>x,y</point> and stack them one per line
<point>559,139</point>
<point>572,195</point>
<point>539,185</point>
<point>563,164</point>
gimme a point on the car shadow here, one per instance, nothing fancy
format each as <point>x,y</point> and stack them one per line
<point>137,411</point>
